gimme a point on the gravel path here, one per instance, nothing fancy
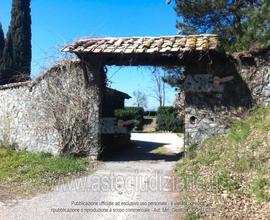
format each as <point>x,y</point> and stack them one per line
<point>135,184</point>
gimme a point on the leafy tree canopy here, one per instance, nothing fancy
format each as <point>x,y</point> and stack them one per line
<point>241,24</point>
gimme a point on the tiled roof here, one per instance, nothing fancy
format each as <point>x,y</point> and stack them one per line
<point>117,92</point>
<point>137,45</point>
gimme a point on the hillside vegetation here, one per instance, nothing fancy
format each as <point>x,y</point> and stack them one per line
<point>228,176</point>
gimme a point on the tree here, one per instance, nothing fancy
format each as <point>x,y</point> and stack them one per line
<point>159,87</point>
<point>174,76</point>
<point>2,41</point>
<point>241,24</point>
<point>16,58</point>
<point>140,99</point>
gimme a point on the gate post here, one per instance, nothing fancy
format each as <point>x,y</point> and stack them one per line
<point>96,78</point>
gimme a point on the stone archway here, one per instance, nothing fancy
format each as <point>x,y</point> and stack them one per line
<point>213,88</point>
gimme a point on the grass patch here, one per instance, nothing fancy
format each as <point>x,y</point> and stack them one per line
<point>23,172</point>
<point>149,117</point>
<point>239,131</point>
<point>236,163</point>
<point>159,150</point>
<point>225,181</point>
<point>191,216</point>
<point>246,162</point>
<point>258,188</point>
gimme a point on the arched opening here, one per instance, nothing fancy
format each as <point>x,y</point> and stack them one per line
<point>145,111</point>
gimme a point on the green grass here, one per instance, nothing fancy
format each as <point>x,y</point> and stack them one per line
<point>191,216</point>
<point>239,131</point>
<point>257,187</point>
<point>149,117</point>
<point>159,150</point>
<point>23,171</point>
<point>225,181</point>
<point>237,162</point>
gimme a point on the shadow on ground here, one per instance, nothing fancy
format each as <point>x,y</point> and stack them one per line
<point>140,150</point>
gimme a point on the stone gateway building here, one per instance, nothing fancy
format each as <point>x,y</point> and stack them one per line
<point>216,86</point>
<point>62,111</point>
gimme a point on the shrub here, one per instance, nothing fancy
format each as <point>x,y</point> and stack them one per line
<point>166,110</point>
<point>131,113</point>
<point>168,120</point>
<point>150,113</point>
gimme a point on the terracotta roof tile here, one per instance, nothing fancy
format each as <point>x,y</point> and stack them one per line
<point>165,44</point>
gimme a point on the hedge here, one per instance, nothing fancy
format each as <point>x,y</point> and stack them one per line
<point>150,113</point>
<point>168,120</point>
<point>131,113</point>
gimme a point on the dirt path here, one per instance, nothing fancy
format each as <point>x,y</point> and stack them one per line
<point>135,184</point>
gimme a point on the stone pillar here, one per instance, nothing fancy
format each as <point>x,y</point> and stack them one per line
<point>201,124</point>
<point>215,93</point>
<point>96,81</point>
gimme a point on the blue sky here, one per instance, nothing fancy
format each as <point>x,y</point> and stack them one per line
<point>56,23</point>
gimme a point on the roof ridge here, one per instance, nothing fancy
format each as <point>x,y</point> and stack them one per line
<point>151,37</point>
<point>124,45</point>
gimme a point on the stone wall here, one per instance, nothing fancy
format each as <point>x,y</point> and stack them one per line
<point>220,87</point>
<point>254,68</point>
<point>56,113</point>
